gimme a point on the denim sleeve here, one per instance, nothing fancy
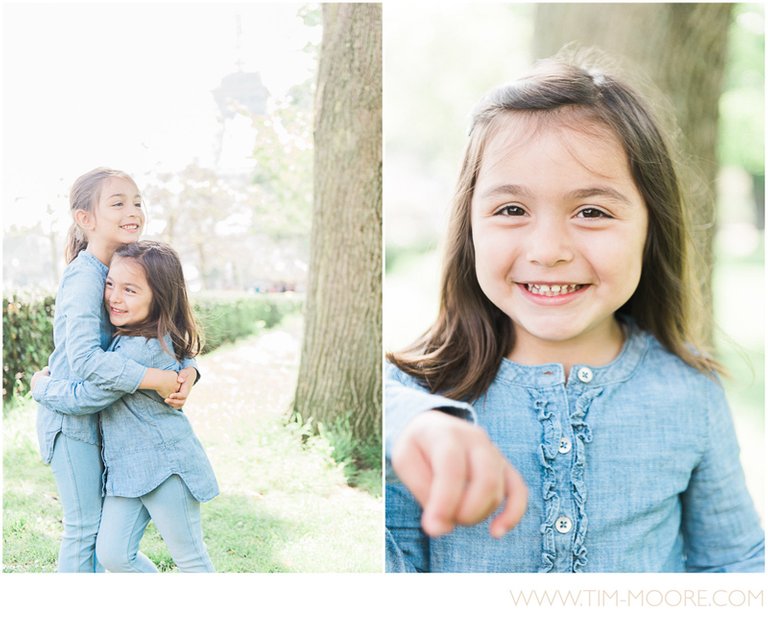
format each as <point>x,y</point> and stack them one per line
<point>73,398</point>
<point>407,546</point>
<point>191,363</point>
<point>81,302</point>
<point>720,524</point>
<point>404,399</point>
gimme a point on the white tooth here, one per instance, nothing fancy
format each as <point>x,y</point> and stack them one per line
<point>556,289</point>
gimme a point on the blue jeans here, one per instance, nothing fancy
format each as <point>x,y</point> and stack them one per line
<point>176,515</point>
<point>77,469</point>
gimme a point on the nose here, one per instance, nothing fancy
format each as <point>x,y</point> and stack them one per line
<point>549,242</point>
<point>113,295</point>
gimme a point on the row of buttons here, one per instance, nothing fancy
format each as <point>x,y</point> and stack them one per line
<point>564,524</point>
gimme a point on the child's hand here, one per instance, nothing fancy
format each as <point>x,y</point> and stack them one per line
<point>42,373</point>
<point>165,382</point>
<point>457,475</point>
<point>186,380</point>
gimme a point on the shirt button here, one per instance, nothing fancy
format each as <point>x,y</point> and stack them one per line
<point>585,374</point>
<point>565,445</point>
<point>563,524</point>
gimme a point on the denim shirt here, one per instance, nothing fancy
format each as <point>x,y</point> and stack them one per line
<point>145,440</point>
<point>81,335</point>
<point>630,467</point>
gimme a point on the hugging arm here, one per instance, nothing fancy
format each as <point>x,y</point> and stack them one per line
<point>720,524</point>
<point>73,398</point>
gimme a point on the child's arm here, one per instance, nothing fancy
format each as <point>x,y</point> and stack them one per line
<point>73,398</point>
<point>457,475</point>
<point>450,466</point>
<point>81,300</point>
<point>81,398</point>
<point>721,527</point>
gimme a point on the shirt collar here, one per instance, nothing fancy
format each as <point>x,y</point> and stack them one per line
<point>88,257</point>
<point>620,369</point>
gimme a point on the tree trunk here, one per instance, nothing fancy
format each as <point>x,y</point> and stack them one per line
<point>681,47</point>
<point>340,371</point>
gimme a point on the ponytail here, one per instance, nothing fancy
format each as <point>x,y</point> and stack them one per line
<point>76,242</point>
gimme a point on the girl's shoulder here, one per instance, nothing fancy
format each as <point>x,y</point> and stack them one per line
<point>85,264</point>
<point>82,282</point>
<point>395,375</point>
<point>146,351</point>
<point>670,370</point>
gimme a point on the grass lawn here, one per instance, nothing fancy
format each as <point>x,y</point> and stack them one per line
<point>284,506</point>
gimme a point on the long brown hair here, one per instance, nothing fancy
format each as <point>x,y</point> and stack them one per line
<point>170,311</point>
<point>84,195</point>
<point>460,354</point>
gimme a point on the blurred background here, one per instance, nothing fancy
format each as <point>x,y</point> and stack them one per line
<point>704,61</point>
<point>207,106</point>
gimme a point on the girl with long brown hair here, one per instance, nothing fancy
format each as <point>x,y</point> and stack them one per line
<point>107,211</point>
<point>155,467</point>
<point>565,372</point>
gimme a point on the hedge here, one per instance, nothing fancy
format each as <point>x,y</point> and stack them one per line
<point>225,317</point>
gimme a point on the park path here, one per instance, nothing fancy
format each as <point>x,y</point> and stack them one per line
<point>309,516</point>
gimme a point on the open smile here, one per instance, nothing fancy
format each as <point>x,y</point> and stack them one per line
<point>130,227</point>
<point>553,290</point>
<point>551,293</point>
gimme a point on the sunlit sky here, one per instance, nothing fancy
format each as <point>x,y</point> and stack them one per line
<point>127,86</point>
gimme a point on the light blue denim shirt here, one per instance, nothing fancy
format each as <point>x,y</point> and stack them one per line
<point>630,467</point>
<point>145,440</point>
<point>81,335</point>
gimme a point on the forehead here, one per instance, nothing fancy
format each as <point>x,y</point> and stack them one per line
<point>116,184</point>
<point>551,142</point>
<point>124,269</point>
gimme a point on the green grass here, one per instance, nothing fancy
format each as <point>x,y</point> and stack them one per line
<point>285,503</point>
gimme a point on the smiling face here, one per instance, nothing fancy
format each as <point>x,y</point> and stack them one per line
<point>558,228</point>
<point>116,219</point>
<point>127,294</point>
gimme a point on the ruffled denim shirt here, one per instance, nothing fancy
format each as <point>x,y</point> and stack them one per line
<point>630,467</point>
<point>144,440</point>
<point>81,335</point>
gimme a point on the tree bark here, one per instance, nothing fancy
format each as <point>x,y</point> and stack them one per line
<point>681,47</point>
<point>340,370</point>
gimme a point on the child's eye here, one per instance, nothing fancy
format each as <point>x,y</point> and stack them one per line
<point>593,213</point>
<point>511,210</point>
<point>130,291</point>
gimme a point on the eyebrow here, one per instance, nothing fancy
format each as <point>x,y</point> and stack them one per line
<point>122,195</point>
<point>131,284</point>
<point>508,189</point>
<point>600,191</point>
<point>593,191</point>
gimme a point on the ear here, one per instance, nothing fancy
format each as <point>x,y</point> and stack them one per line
<point>84,219</point>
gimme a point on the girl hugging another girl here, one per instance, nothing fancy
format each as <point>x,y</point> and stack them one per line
<point>106,429</point>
